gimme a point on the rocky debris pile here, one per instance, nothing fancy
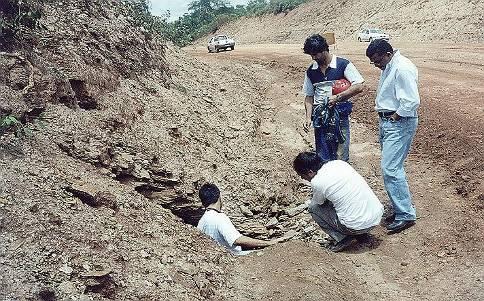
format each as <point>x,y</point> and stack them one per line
<point>291,220</point>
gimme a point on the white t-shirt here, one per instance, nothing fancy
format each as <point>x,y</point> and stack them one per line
<point>218,226</point>
<point>355,203</point>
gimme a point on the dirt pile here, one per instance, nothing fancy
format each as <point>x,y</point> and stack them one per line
<point>124,131</point>
<point>406,20</point>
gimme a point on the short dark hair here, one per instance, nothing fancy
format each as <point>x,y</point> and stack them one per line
<point>379,46</point>
<point>306,162</point>
<point>209,194</point>
<point>315,44</point>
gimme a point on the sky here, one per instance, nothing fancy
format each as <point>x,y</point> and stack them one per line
<point>178,7</point>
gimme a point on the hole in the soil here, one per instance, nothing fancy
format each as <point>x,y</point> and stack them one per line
<point>124,178</point>
<point>83,98</point>
<point>147,190</point>
<point>168,198</point>
<point>67,101</point>
<point>103,285</point>
<point>186,210</point>
<point>100,199</point>
<point>174,132</point>
<point>31,115</point>
<point>86,198</point>
<point>47,295</point>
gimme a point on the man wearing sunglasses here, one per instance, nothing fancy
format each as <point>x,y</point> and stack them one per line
<point>396,102</point>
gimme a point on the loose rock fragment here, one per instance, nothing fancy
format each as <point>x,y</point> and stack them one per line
<point>246,211</point>
<point>272,223</point>
<point>296,210</point>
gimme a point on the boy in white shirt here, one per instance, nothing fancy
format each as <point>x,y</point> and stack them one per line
<point>218,226</point>
<point>343,204</point>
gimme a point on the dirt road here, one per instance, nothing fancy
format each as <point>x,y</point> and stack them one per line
<point>442,257</point>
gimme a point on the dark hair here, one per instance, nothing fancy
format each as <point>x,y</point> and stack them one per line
<point>209,194</point>
<point>306,162</point>
<point>315,44</point>
<point>379,46</point>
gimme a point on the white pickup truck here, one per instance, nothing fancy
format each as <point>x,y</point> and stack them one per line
<point>371,34</point>
<point>220,42</point>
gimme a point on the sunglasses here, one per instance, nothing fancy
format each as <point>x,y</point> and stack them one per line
<point>377,59</point>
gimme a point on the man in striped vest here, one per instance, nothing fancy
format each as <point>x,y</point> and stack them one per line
<point>331,140</point>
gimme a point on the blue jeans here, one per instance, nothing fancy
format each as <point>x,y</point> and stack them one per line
<point>328,150</point>
<point>395,140</point>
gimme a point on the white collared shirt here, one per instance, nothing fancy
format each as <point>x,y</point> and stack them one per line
<point>398,87</point>
<point>350,73</point>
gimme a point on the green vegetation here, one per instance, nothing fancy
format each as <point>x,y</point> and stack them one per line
<point>9,123</point>
<point>24,127</point>
<point>207,16</point>
<point>20,18</point>
<point>17,19</point>
<point>204,17</point>
<point>12,145</point>
<point>262,7</point>
<point>140,15</point>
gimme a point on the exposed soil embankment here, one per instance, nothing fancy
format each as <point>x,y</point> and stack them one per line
<point>404,20</point>
<point>98,200</point>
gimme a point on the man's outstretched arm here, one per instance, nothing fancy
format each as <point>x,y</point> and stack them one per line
<point>248,242</point>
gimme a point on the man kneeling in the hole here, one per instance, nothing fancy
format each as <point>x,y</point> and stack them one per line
<point>218,226</point>
<point>343,204</point>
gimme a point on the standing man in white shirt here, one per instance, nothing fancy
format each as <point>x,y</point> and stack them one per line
<point>397,101</point>
<point>343,204</point>
<point>218,226</point>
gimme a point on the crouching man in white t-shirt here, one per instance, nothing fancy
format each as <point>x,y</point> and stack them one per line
<point>218,226</point>
<point>342,203</point>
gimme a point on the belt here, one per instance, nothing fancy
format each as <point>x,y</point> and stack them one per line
<point>386,114</point>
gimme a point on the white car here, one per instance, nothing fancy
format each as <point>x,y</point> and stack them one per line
<point>371,34</point>
<point>220,42</point>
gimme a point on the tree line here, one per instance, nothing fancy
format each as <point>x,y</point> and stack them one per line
<point>203,17</point>
<point>19,18</point>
